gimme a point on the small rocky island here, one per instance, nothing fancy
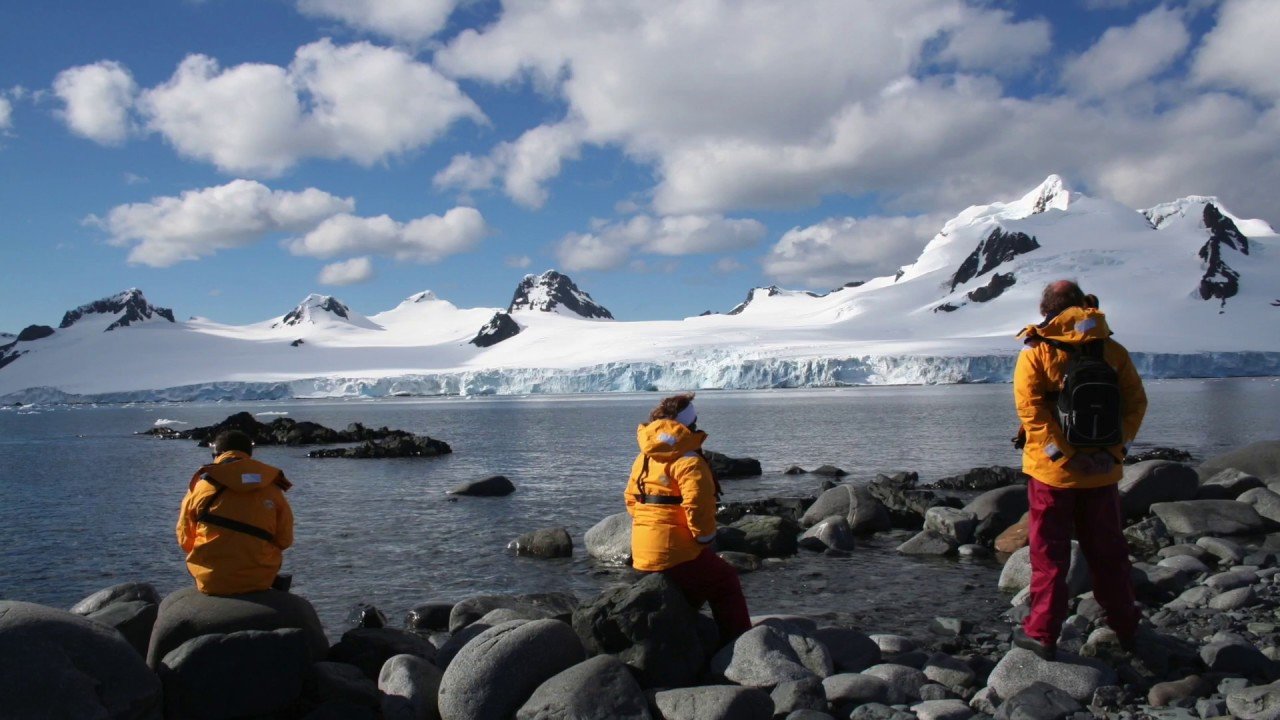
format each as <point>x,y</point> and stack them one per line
<point>380,442</point>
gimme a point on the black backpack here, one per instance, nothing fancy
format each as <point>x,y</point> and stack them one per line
<point>1088,406</point>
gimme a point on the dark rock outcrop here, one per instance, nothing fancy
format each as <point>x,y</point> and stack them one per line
<point>399,444</point>
<point>369,648</point>
<point>493,486</point>
<point>130,305</point>
<point>727,468</point>
<point>379,442</point>
<point>500,327</point>
<point>315,304</point>
<point>545,543</point>
<point>981,478</point>
<point>906,503</point>
<point>598,689</point>
<point>995,249</point>
<point>497,672</point>
<point>994,288</point>
<point>552,290</point>
<point>266,669</point>
<point>791,508</point>
<point>34,332</point>
<point>760,535</point>
<point>1219,280</point>
<point>188,613</point>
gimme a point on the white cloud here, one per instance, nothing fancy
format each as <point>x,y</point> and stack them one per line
<point>1240,51</point>
<point>199,223</point>
<point>359,102</point>
<point>427,239</point>
<point>609,245</point>
<point>96,100</point>
<point>525,164</point>
<point>839,250</point>
<point>990,40</point>
<point>348,272</point>
<point>405,20</point>
<point>6,113</point>
<point>1126,56</point>
<point>726,265</point>
<point>517,261</point>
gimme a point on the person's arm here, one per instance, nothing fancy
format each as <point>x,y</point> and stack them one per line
<point>629,495</point>
<point>1134,399</point>
<point>1035,409</point>
<point>698,491</point>
<point>284,523</point>
<point>191,506</point>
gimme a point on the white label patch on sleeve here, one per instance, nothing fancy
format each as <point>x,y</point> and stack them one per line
<point>667,439</point>
<point>1086,325</point>
<point>251,478</point>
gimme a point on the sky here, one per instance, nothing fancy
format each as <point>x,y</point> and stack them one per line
<point>230,157</point>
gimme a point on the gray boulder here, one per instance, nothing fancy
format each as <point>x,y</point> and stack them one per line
<point>760,535</point>
<point>1234,599</point>
<point>1261,702</point>
<point>1147,537</point>
<point>1076,676</point>
<point>1222,549</point>
<point>598,689</point>
<point>544,543</point>
<point>609,541</point>
<point>996,510</point>
<point>1185,563</point>
<point>1039,701</point>
<point>833,502</point>
<point>1016,573</point>
<point>369,648</point>
<point>928,542</point>
<point>266,669</point>
<point>451,647</point>
<point>493,486</point>
<point>795,695</point>
<point>950,709</point>
<point>410,687</point>
<point>717,702</point>
<point>1260,459</point>
<point>1227,485</point>
<point>558,605</point>
<point>649,626</point>
<point>846,691</point>
<point>958,525</point>
<point>904,682</point>
<point>863,512</point>
<point>952,673</point>
<point>57,664</point>
<point>133,619</point>
<point>494,674</point>
<point>1154,481</point>
<point>851,651</point>
<point>429,617</point>
<point>765,656</point>
<point>189,613</point>
<point>833,532</point>
<point>1208,517</point>
<point>124,592</point>
<point>1265,502</point>
<point>340,683</point>
<point>1233,655</point>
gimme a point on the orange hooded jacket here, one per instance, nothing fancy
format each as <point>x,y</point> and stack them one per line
<point>234,525</point>
<point>671,497</point>
<point>1038,377</point>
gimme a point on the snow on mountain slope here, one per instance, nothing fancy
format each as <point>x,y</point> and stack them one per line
<point>1187,286</point>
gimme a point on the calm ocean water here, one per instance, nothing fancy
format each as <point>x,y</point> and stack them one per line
<point>84,503</point>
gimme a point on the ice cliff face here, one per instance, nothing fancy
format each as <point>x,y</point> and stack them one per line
<point>554,292</point>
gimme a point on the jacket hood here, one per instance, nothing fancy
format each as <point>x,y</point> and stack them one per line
<point>667,440</point>
<point>240,473</point>
<point>1073,325</point>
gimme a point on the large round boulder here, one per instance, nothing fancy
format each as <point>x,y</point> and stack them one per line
<point>609,541</point>
<point>760,535</point>
<point>57,664</point>
<point>1154,481</point>
<point>851,651</point>
<point>717,702</point>
<point>532,606</point>
<point>864,513</point>
<point>1191,518</point>
<point>124,592</point>
<point>833,533</point>
<point>494,674</point>
<point>235,675</point>
<point>955,524</point>
<point>995,510</point>
<point>601,688</point>
<point>1016,573</point>
<point>189,613</point>
<point>1228,484</point>
<point>766,655</point>
<point>1076,676</point>
<point>369,648</point>
<point>1260,459</point>
<point>410,687</point>
<point>544,543</point>
<point>1265,502</point>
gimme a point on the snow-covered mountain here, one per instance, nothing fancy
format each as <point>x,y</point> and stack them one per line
<point>1189,287</point>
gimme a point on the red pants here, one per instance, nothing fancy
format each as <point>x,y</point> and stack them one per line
<point>1094,514</point>
<point>709,579</point>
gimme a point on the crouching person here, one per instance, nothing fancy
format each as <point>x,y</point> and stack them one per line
<point>671,498</point>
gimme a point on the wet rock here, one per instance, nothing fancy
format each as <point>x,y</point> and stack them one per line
<point>1228,484</point>
<point>339,682</point>
<point>904,682</point>
<point>742,562</point>
<point>1234,599</point>
<point>369,648</point>
<point>1038,701</point>
<point>1232,579</point>
<point>718,702</point>
<point>893,644</point>
<point>124,592</point>
<point>1194,551</point>
<point>597,689</point>
<point>807,694</point>
<point>1147,537</point>
<point>493,486</point>
<point>864,513</point>
<point>1175,691</point>
<point>533,606</point>
<point>1261,702</point>
<point>1232,654</point>
<point>996,510</point>
<point>928,542</point>
<point>649,626</point>
<point>1265,502</point>
<point>728,468</point>
<point>1158,453</point>
<point>266,669</point>
<point>942,710</point>
<point>609,541</point>
<point>498,671</point>
<point>982,478</point>
<point>1260,459</point>
<point>760,535</point>
<point>953,673</point>
<point>1015,537</point>
<point>846,691</point>
<point>133,619</point>
<point>906,503</point>
<point>794,470</point>
<point>409,687</point>
<point>429,617</point>
<point>833,532</point>
<point>790,508</point>
<point>1016,574</point>
<point>1155,481</point>
<point>366,615</point>
<point>1185,563</point>
<point>828,471</point>
<point>950,627</point>
<point>545,543</point>
<point>950,522</point>
<point>1076,676</point>
<point>57,664</point>
<point>189,613</point>
<point>973,551</point>
<point>400,445</point>
<point>851,651</point>
<point>1208,517</point>
<point>765,656</point>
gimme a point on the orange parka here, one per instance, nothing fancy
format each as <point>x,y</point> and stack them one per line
<point>1037,379</point>
<point>234,525</point>
<point>671,497</point>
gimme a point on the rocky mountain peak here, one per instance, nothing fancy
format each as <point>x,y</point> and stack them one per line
<point>129,307</point>
<point>769,291</point>
<point>315,307</point>
<point>1220,281</point>
<point>997,248</point>
<point>551,292</point>
<point>424,296</point>
<point>1052,194</point>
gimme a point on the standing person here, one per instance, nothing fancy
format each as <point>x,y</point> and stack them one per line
<point>672,501</point>
<point>1073,486</point>
<point>235,522</point>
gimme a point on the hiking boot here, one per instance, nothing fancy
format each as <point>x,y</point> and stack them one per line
<point>1021,639</point>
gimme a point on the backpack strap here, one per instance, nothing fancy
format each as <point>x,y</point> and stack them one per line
<point>207,517</point>
<point>645,499</point>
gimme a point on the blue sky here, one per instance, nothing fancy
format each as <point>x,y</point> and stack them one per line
<point>230,156</point>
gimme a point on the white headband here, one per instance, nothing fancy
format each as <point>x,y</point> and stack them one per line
<point>687,416</point>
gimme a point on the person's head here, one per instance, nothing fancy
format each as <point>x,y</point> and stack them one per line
<point>229,440</point>
<point>1060,295</point>
<point>1091,301</point>
<point>677,407</point>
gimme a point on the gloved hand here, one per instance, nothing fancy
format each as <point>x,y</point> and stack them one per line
<point>1097,463</point>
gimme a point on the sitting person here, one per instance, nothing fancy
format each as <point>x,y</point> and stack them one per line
<point>235,522</point>
<point>671,498</point>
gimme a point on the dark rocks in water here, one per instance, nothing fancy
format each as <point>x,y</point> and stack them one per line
<point>995,249</point>
<point>500,327</point>
<point>794,470</point>
<point>240,674</point>
<point>366,616</point>
<point>760,535</point>
<point>131,303</point>
<point>791,508</point>
<point>399,445</point>
<point>997,510</point>
<point>497,672</point>
<point>833,533</point>
<point>649,626</point>
<point>597,689</point>
<point>34,332</point>
<point>906,503</point>
<point>545,543</point>
<point>57,664</point>
<point>727,468</point>
<point>981,478</point>
<point>1158,453</point>
<point>555,605</point>
<point>369,647</point>
<point>609,541</point>
<point>1219,280</point>
<point>552,290</point>
<point>994,288</point>
<point>828,471</point>
<point>287,431</point>
<point>429,617</point>
<point>492,486</point>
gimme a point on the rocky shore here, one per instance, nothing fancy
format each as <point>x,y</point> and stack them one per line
<point>1205,539</point>
<point>374,443</point>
